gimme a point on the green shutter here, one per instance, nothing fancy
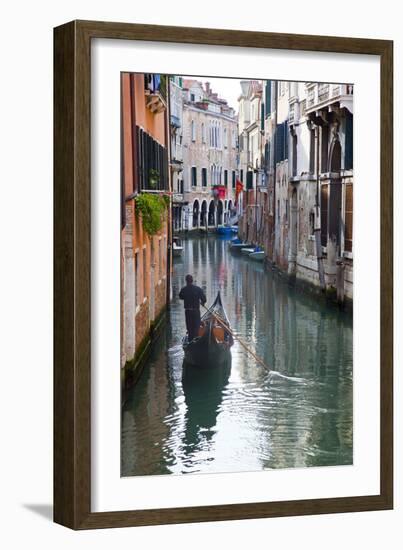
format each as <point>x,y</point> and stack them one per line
<point>348,157</point>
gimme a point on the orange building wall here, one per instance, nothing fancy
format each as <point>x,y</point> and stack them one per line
<point>155,125</point>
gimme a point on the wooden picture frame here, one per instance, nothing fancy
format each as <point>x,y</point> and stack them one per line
<point>72,271</point>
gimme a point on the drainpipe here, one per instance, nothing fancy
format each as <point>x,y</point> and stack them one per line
<point>274,171</point>
<point>169,174</point>
<point>317,228</point>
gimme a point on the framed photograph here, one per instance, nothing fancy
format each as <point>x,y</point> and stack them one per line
<point>222,275</point>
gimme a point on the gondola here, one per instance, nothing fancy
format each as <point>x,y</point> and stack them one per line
<point>211,347</point>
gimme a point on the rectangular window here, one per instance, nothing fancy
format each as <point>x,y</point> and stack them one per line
<point>194,176</point>
<point>233,179</point>
<point>348,158</point>
<point>324,200</point>
<point>204,177</point>
<point>267,102</point>
<point>226,178</point>
<point>152,162</point>
<point>324,161</point>
<point>137,277</point>
<point>281,138</point>
<point>312,152</point>
<point>159,259</point>
<point>348,222</point>
<point>164,251</point>
<point>145,272</point>
<point>249,180</point>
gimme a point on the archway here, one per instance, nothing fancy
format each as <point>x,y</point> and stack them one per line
<point>334,206</point>
<point>203,214</point>
<point>196,213</point>
<point>335,156</point>
<point>230,212</point>
<point>211,214</point>
<point>294,232</point>
<point>220,211</point>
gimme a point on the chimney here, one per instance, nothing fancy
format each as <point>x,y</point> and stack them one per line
<point>208,89</point>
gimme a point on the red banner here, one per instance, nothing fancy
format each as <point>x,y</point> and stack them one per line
<point>238,190</point>
<point>219,191</point>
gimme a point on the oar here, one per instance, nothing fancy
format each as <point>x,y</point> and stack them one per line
<point>260,361</point>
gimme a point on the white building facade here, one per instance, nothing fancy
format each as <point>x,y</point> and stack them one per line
<point>176,160</point>
<point>209,157</point>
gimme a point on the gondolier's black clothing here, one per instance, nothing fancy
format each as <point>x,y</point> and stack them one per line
<point>192,297</point>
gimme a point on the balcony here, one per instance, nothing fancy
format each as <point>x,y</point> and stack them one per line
<point>175,121</point>
<point>155,92</point>
<point>177,165</point>
<point>322,95</point>
<point>294,112</point>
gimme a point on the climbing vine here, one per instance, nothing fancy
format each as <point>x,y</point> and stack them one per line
<point>153,209</point>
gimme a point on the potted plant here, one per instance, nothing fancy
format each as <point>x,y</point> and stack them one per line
<point>153,178</point>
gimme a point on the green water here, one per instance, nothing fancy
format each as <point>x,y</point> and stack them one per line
<point>243,417</point>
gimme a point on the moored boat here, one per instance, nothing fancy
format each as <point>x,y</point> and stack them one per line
<point>211,347</point>
<point>247,250</point>
<point>224,230</point>
<point>257,256</point>
<point>237,246</point>
<point>177,247</point>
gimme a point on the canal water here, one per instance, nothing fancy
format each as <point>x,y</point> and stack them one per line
<point>244,418</point>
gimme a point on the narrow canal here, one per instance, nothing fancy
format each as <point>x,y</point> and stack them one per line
<point>297,415</point>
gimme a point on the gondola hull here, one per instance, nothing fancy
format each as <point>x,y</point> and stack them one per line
<point>201,352</point>
<point>212,347</point>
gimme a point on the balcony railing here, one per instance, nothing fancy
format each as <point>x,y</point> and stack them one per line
<point>302,108</point>
<point>322,94</point>
<point>291,113</point>
<point>294,112</point>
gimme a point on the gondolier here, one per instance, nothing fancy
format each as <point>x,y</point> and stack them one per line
<point>192,297</point>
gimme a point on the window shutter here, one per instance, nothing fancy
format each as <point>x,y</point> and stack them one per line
<point>324,200</point>
<point>268,98</point>
<point>348,222</point>
<point>348,159</point>
<point>249,180</point>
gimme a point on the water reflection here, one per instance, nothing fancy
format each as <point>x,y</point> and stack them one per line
<point>244,418</point>
<point>203,391</point>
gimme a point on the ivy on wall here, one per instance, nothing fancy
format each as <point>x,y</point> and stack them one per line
<point>153,210</point>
